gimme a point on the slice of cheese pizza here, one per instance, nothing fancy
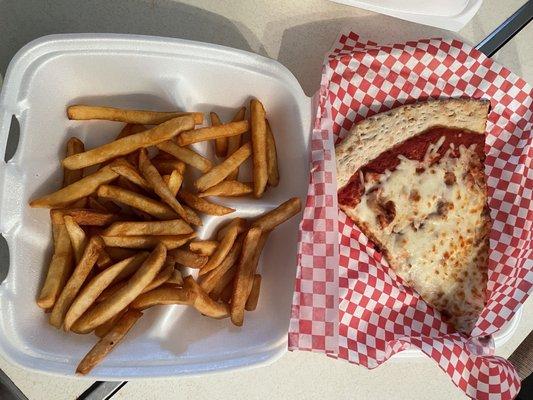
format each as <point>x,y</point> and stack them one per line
<point>413,181</point>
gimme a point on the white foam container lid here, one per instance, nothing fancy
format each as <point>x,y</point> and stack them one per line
<point>156,73</point>
<point>447,14</point>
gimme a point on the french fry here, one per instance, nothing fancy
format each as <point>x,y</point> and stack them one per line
<point>213,132</point>
<point>104,329</point>
<point>168,166</point>
<point>203,303</point>
<point>212,278</point>
<point>110,206</point>
<point>159,186</point>
<point>280,214</point>
<point>187,258</point>
<point>77,190</point>
<point>221,143</point>
<point>60,266</point>
<point>108,342</point>
<point>134,228</point>
<point>228,189</point>
<point>138,258</point>
<point>176,278</point>
<point>128,185</point>
<point>203,205</point>
<point>130,129</point>
<point>148,242</point>
<point>164,295</point>
<point>90,292</point>
<point>174,181</point>
<point>128,171</point>
<point>271,157</point>
<point>83,216</point>
<point>77,237</point>
<point>203,247</point>
<point>222,170</point>
<point>76,280</point>
<point>82,112</point>
<point>153,207</point>
<point>244,276</point>
<point>74,146</point>
<point>226,293</point>
<point>163,276</point>
<point>258,136</point>
<point>128,144</point>
<point>253,298</point>
<point>234,142</point>
<point>105,310</point>
<point>186,155</point>
<point>109,291</point>
<point>238,225</point>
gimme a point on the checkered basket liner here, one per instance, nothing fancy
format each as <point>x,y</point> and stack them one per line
<point>347,302</point>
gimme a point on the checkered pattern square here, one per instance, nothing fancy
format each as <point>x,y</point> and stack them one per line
<point>347,302</point>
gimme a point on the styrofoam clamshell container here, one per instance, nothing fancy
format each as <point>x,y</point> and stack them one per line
<point>156,73</point>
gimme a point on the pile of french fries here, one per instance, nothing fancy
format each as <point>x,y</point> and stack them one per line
<point>123,225</point>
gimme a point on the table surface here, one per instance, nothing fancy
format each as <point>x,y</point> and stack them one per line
<point>296,33</point>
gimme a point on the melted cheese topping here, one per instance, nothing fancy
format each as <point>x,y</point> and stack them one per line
<point>429,219</point>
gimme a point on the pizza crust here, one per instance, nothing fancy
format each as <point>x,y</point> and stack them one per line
<point>372,136</point>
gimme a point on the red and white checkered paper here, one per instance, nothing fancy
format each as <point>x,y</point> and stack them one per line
<point>347,302</point>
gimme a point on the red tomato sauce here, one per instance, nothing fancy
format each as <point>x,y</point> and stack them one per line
<point>414,148</point>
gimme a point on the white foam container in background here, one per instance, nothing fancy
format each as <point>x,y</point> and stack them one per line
<point>155,73</point>
<point>452,15</point>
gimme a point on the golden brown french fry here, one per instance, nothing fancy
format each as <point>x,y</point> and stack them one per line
<point>163,295</point>
<point>203,303</point>
<point>244,276</point>
<point>130,129</point>
<point>163,276</point>
<point>138,258</point>
<point>153,207</point>
<point>272,157</point>
<point>222,170</point>
<point>77,237</point>
<point>105,310</point>
<point>165,166</point>
<point>128,144</point>
<point>228,189</point>
<point>192,215</point>
<point>109,291</point>
<point>221,143</point>
<point>134,228</point>
<point>75,191</point>
<point>148,242</point>
<point>159,186</point>
<point>104,329</point>
<point>174,181</point>
<point>253,298</point>
<point>186,155</point>
<point>91,291</point>
<point>82,112</point>
<point>238,225</point>
<point>76,280</point>
<point>210,280</point>
<point>203,205</point>
<point>213,132</point>
<point>128,171</point>
<point>108,342</point>
<point>74,146</point>
<point>258,136</point>
<point>84,216</point>
<point>203,247</point>
<point>186,258</point>
<point>60,266</point>
<point>280,214</point>
<point>176,278</point>
<point>234,142</point>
